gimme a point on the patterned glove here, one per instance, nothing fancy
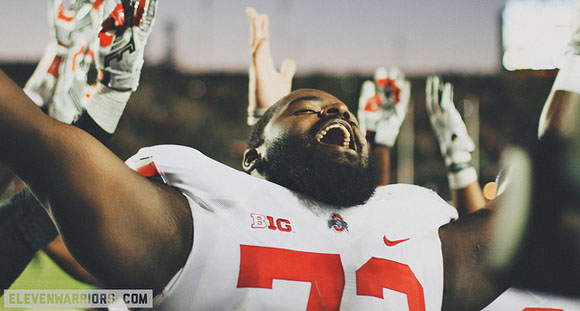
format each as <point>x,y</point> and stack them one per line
<point>41,84</point>
<point>119,60</point>
<point>383,106</point>
<point>122,43</point>
<point>76,30</point>
<point>454,141</point>
<point>72,30</point>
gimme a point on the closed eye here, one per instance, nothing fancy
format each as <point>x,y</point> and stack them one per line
<point>305,111</point>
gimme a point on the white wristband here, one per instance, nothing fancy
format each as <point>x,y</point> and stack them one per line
<point>386,134</point>
<point>255,114</point>
<point>252,120</point>
<point>462,178</point>
<point>568,78</point>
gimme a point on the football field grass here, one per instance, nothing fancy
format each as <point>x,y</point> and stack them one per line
<point>43,273</point>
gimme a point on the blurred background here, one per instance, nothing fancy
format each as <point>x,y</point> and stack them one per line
<point>500,55</point>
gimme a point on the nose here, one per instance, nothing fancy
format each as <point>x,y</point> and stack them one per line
<point>338,109</point>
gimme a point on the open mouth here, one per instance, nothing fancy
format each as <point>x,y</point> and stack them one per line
<point>337,134</point>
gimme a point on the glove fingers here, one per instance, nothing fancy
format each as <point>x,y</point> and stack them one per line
<point>429,94</point>
<point>447,97</point>
<point>367,91</point>
<point>435,96</point>
<point>380,73</point>
<point>395,73</point>
<point>145,15</point>
<point>403,105</point>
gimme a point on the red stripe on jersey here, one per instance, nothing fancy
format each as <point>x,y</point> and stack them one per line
<point>148,170</point>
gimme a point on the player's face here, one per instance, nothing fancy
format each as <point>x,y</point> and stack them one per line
<point>313,146</point>
<point>324,123</point>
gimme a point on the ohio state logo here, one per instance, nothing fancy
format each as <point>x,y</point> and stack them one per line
<point>337,223</point>
<point>260,221</point>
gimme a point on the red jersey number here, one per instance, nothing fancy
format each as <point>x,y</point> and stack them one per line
<point>326,274</point>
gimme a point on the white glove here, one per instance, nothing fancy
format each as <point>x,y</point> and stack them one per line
<point>119,60</point>
<point>58,81</point>
<point>122,43</point>
<point>41,84</point>
<point>383,106</point>
<point>75,29</point>
<point>76,24</point>
<point>455,143</point>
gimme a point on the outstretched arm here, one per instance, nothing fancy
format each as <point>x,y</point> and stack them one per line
<point>469,283</point>
<point>58,252</point>
<point>116,223</point>
<point>133,224</point>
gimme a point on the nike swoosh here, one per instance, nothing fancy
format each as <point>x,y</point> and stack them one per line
<point>393,243</point>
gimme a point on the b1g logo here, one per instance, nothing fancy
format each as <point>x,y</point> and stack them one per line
<point>260,221</point>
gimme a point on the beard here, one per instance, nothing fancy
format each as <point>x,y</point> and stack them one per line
<point>304,168</point>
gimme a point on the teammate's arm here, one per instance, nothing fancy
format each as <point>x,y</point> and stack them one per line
<point>455,145</point>
<point>468,281</point>
<point>266,84</point>
<point>560,114</point>
<point>382,107</point>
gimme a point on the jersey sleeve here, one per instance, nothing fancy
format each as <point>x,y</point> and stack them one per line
<point>423,205</point>
<point>197,176</point>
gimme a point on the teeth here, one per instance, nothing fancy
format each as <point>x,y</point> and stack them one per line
<point>346,141</point>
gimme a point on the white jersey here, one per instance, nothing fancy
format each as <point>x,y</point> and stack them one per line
<point>515,299</point>
<point>260,246</point>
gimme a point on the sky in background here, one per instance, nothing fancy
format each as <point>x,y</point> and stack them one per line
<point>337,36</point>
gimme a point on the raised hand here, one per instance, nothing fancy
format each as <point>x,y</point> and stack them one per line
<point>266,84</point>
<point>122,41</point>
<point>455,143</point>
<point>68,56</point>
<point>75,29</point>
<point>119,60</point>
<point>383,105</point>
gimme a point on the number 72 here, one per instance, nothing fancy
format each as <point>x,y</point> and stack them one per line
<point>326,275</point>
